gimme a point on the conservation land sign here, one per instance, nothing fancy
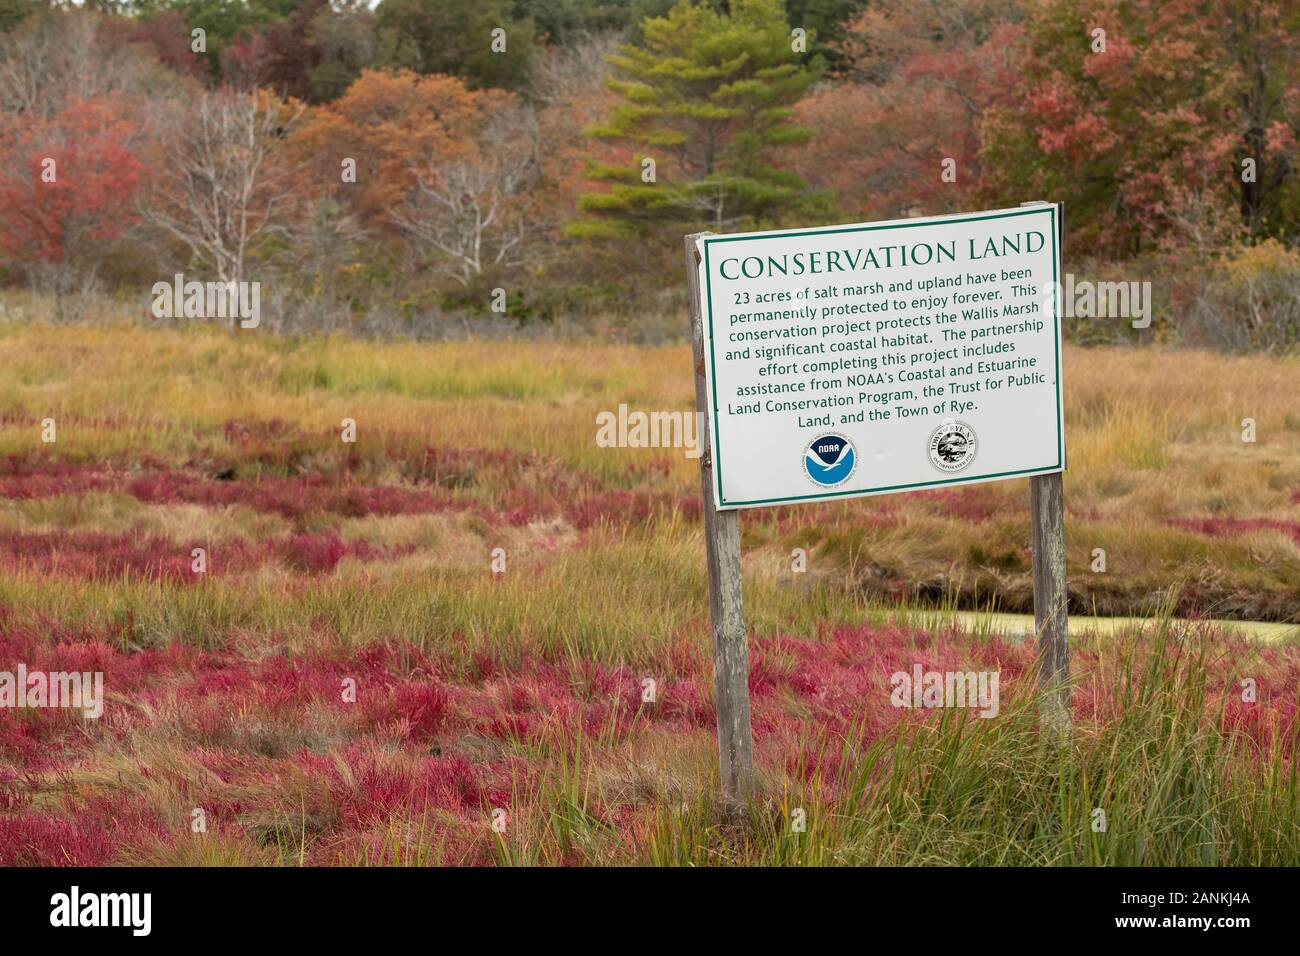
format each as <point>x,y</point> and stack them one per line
<point>860,360</point>
<point>875,358</point>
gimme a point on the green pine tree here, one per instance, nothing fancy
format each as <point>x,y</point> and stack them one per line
<point>708,98</point>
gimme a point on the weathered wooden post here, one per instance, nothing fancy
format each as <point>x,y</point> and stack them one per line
<point>1047,512</point>
<point>726,600</point>
<point>1051,589</point>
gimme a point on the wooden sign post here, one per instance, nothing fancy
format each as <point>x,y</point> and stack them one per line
<point>1051,588</point>
<point>726,593</point>
<point>874,359</point>
<point>1047,515</point>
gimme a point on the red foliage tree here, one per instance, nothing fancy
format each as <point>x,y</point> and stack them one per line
<point>164,35</point>
<point>924,77</point>
<point>1141,114</point>
<point>67,187</point>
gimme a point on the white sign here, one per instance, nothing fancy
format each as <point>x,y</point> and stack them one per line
<point>890,356</point>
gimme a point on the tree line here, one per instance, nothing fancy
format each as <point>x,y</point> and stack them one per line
<point>430,158</point>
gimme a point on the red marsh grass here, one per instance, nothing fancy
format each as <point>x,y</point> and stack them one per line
<point>334,565</point>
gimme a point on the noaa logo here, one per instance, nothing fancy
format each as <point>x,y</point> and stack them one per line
<point>829,460</point>
<point>952,446</point>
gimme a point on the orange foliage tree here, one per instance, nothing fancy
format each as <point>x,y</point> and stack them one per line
<point>454,172</point>
<point>391,125</point>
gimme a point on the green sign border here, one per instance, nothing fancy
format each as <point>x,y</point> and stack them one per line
<point>1051,210</point>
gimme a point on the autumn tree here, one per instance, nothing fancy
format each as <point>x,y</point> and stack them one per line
<point>222,21</point>
<point>1261,43</point>
<point>904,135</point>
<point>453,173</point>
<point>67,187</point>
<point>1151,117</point>
<point>165,36</point>
<point>227,180</point>
<point>707,99</point>
<point>279,56</point>
<point>477,212</point>
<point>54,57</point>
<point>313,55</point>
<point>368,146</point>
